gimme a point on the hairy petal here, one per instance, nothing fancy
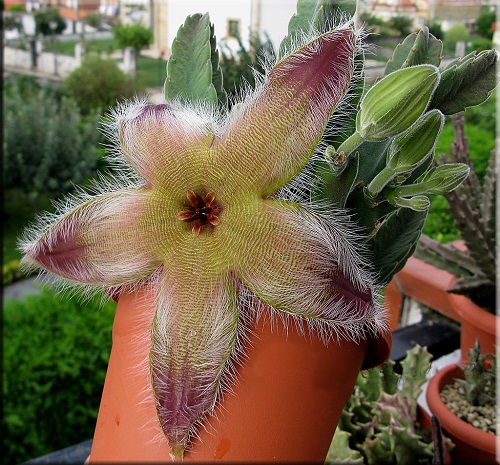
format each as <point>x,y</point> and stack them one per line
<point>166,144</point>
<point>302,266</point>
<point>98,242</point>
<point>194,334</point>
<point>271,136</point>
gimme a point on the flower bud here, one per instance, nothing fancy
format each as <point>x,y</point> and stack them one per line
<point>394,103</point>
<point>411,148</point>
<point>445,178</point>
<point>418,203</point>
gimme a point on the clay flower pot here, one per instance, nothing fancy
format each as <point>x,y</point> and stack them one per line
<point>284,407</point>
<point>472,445</point>
<point>477,323</point>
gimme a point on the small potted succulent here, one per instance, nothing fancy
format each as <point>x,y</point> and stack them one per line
<point>248,242</point>
<point>463,397</point>
<point>383,423</point>
<point>472,292</point>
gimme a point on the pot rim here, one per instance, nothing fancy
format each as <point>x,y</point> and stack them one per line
<point>473,313</point>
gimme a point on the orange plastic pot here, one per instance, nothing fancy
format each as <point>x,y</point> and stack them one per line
<point>472,445</point>
<point>477,323</point>
<point>284,407</point>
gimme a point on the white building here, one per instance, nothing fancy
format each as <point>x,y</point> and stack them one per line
<point>229,17</point>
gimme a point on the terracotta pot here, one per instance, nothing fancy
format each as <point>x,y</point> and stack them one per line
<point>471,444</point>
<point>476,323</point>
<point>285,406</point>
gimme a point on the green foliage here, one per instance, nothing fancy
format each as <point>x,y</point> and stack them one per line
<point>196,35</point>
<point>17,7</point>
<point>55,356</point>
<point>439,223</point>
<point>484,24</point>
<point>402,24</point>
<point>353,163</point>
<point>136,36</point>
<point>48,146</point>
<point>238,67</point>
<point>96,20</point>
<point>436,30</point>
<point>418,48</point>
<point>478,44</point>
<point>456,33</point>
<point>12,22</point>
<point>480,377</point>
<point>472,205</point>
<point>379,423</point>
<point>43,19</point>
<point>11,272</point>
<point>391,251</point>
<point>98,84</point>
<point>315,13</point>
<point>466,82</point>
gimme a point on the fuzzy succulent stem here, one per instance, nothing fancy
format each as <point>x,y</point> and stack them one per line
<point>384,177</point>
<point>350,144</point>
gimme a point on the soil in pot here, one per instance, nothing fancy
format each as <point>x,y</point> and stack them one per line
<point>481,417</point>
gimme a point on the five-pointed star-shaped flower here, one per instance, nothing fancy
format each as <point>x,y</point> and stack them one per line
<point>203,225</point>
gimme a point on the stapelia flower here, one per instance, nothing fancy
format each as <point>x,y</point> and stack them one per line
<point>204,225</point>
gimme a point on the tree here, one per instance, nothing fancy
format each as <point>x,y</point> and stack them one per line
<point>48,146</point>
<point>456,33</point>
<point>136,36</point>
<point>43,19</point>
<point>402,24</point>
<point>484,24</point>
<point>98,84</point>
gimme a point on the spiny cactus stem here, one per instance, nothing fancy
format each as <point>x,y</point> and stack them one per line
<point>460,154</point>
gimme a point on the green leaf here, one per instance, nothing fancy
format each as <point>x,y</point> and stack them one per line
<point>417,49</point>
<point>190,67</point>
<point>217,77</point>
<point>395,241</point>
<point>466,82</point>
<point>315,14</point>
<point>309,14</point>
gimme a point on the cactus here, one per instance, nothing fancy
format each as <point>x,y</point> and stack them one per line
<point>480,378</point>
<point>379,423</point>
<point>473,208</point>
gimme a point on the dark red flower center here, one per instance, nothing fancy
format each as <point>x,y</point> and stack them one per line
<point>201,209</point>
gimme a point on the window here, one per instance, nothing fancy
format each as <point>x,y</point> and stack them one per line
<point>233,28</point>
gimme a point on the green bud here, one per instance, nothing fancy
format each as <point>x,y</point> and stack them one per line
<point>418,203</point>
<point>329,153</point>
<point>411,148</point>
<point>445,178</point>
<point>394,103</point>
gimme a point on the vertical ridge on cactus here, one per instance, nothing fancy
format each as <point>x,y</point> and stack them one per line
<point>200,222</point>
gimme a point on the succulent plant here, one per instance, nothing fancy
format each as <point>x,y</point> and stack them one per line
<point>472,205</point>
<point>480,377</point>
<point>381,174</point>
<point>379,423</point>
<point>473,399</point>
<point>274,204</point>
